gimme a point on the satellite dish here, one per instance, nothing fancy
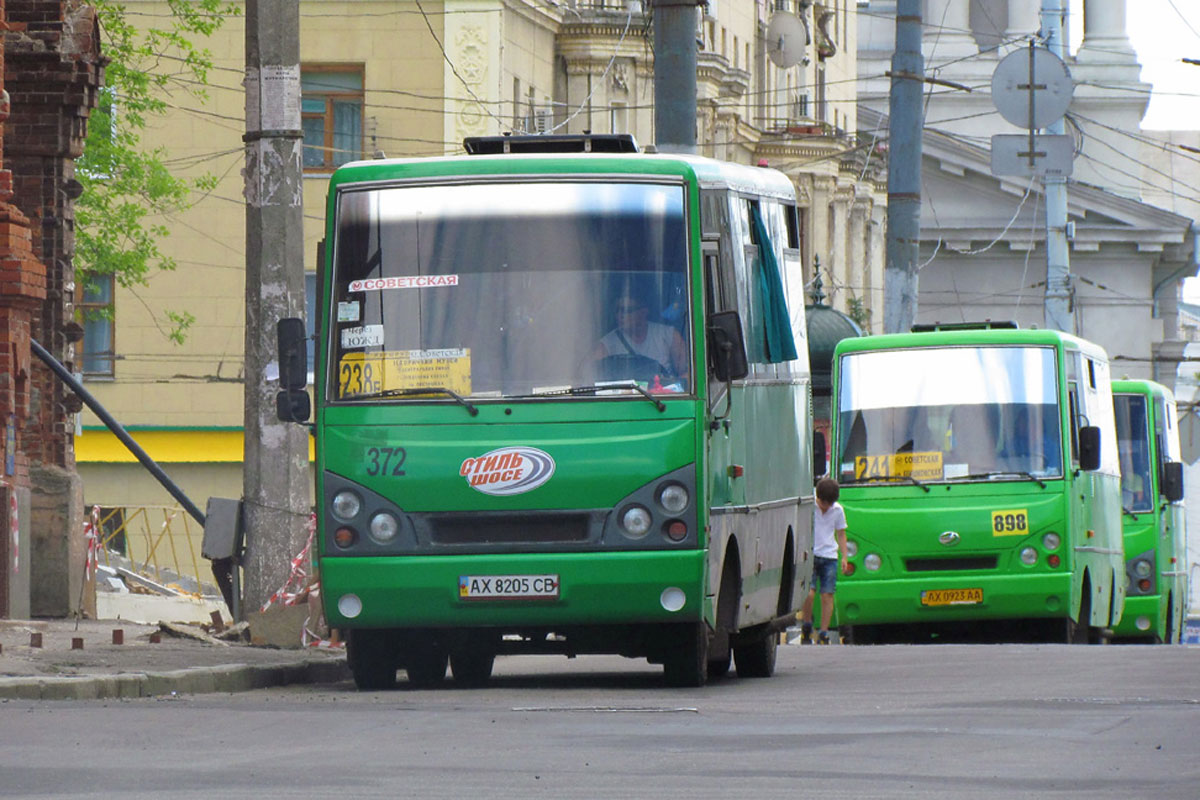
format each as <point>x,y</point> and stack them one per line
<point>786,37</point>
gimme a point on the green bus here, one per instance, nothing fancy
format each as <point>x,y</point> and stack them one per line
<point>979,474</point>
<point>562,405</point>
<point>1156,593</point>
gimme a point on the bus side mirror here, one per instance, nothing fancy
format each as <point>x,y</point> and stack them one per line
<point>818,455</point>
<point>292,404</point>
<point>1089,448</point>
<point>1172,484</point>
<point>726,346</point>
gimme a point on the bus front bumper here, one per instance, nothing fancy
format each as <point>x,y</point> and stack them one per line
<point>917,600</point>
<point>1143,616</point>
<point>533,590</point>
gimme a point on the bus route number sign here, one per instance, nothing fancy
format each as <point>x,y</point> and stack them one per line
<point>1010,522</point>
<point>922,466</point>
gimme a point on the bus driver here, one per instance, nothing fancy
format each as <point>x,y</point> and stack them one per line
<point>636,337</point>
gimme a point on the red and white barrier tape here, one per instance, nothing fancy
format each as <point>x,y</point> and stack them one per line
<point>295,588</point>
<point>91,534</point>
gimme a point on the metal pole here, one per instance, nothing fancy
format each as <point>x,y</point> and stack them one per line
<point>1058,313</point>
<point>675,75</point>
<point>906,119</point>
<point>100,411</point>
<point>275,479</point>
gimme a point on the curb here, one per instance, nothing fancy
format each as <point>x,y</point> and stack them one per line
<point>196,680</point>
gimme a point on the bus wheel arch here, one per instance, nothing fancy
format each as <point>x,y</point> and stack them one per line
<point>787,576</point>
<point>729,599</point>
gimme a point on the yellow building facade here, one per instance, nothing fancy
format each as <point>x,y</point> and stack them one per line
<point>411,79</point>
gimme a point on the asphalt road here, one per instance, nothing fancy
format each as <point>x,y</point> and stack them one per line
<point>947,721</point>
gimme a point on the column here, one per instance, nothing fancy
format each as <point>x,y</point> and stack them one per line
<point>947,31</point>
<point>1023,19</point>
<point>1105,39</point>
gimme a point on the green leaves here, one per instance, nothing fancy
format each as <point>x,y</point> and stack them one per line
<point>129,191</point>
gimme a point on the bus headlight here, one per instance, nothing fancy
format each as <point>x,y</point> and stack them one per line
<point>1050,541</point>
<point>636,521</point>
<point>1028,556</point>
<point>851,548</point>
<point>1142,567</point>
<point>673,497</point>
<point>384,527</point>
<point>346,505</point>
<point>872,562</point>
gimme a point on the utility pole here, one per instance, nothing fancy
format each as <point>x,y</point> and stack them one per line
<point>275,479</point>
<point>906,119</point>
<point>1058,315</point>
<point>675,75</point>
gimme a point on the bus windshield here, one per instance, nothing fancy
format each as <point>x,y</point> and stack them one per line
<point>1133,445</point>
<point>510,289</point>
<point>949,413</point>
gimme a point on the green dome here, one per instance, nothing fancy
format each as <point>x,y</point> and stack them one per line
<point>826,327</point>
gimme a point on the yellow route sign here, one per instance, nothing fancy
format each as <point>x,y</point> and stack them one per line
<point>371,373</point>
<point>921,466</point>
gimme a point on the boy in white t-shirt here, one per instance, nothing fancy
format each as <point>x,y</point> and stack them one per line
<point>829,547</point>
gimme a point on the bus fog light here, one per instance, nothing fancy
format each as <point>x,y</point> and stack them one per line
<point>851,548</point>
<point>349,606</point>
<point>1050,541</point>
<point>636,521</point>
<point>673,598</point>
<point>1143,623</point>
<point>344,537</point>
<point>1028,556</point>
<point>673,497</point>
<point>872,562</point>
<point>346,505</point>
<point>384,527</point>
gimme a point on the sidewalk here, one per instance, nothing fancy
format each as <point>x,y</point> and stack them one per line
<point>139,667</point>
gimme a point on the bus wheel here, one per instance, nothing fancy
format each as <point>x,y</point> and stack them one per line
<point>1080,632</point>
<point>426,666</point>
<point>719,667</point>
<point>756,659</point>
<point>472,667</point>
<point>687,663</point>
<point>372,659</point>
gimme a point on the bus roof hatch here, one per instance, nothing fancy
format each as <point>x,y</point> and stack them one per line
<point>554,143</point>
<point>987,324</point>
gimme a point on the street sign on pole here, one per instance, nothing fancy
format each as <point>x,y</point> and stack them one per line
<point>1038,154</point>
<point>1032,88</point>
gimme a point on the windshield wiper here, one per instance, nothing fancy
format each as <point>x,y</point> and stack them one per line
<point>576,390</point>
<point>1129,512</point>
<point>891,479</point>
<point>458,398</point>
<point>1000,473</point>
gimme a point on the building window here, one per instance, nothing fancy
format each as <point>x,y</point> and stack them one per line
<point>331,107</point>
<point>95,309</point>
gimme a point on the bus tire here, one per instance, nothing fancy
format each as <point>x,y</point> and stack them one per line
<point>472,667</point>
<point>426,666</point>
<point>757,659</point>
<point>687,664</point>
<point>720,653</point>
<point>372,659</point>
<point>1079,632</point>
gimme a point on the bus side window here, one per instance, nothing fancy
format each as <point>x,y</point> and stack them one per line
<point>1073,409</point>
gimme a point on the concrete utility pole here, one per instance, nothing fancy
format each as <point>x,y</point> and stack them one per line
<point>275,480</point>
<point>906,119</point>
<point>675,75</point>
<point>1058,315</point>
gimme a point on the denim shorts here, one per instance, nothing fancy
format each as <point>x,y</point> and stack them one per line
<point>825,572</point>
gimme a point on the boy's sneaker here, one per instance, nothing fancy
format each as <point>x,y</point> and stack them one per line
<point>823,637</point>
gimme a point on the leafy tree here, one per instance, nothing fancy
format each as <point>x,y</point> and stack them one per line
<point>128,188</point>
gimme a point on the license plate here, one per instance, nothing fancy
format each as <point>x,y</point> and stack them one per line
<point>951,597</point>
<point>508,587</point>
